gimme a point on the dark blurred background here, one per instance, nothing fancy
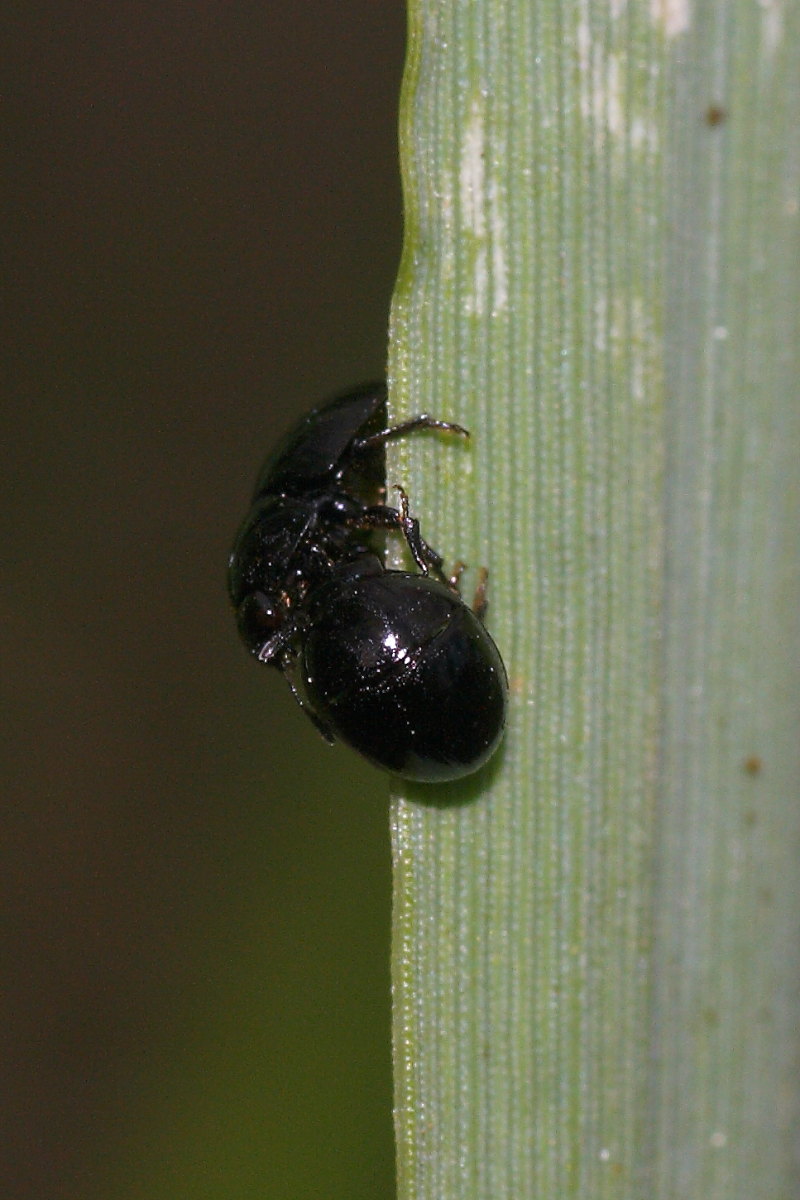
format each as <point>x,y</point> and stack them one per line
<point>201,233</point>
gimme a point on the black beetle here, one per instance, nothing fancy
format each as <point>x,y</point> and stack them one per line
<point>393,663</point>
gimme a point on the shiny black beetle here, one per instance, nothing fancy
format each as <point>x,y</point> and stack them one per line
<point>393,663</point>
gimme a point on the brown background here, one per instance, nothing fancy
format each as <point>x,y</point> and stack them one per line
<point>202,231</point>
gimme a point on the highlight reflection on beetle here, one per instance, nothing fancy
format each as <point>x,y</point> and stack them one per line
<point>393,663</point>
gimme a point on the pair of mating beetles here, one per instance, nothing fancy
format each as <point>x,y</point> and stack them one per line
<point>393,663</point>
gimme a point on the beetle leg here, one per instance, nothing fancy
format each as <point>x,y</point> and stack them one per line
<point>425,556</point>
<point>287,668</point>
<point>480,602</point>
<point>454,578</point>
<point>423,421</point>
<point>376,516</point>
<point>382,516</point>
<point>410,528</point>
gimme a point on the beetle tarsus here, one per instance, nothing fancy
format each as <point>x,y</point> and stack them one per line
<point>423,421</point>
